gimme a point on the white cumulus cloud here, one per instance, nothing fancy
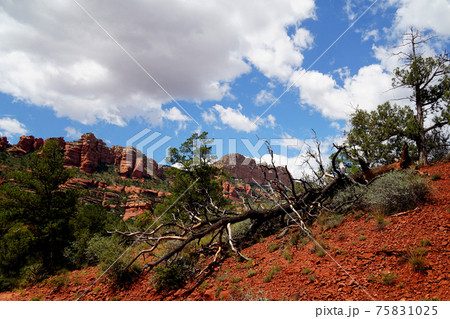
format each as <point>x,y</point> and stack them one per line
<point>52,54</point>
<point>433,15</point>
<point>235,119</point>
<point>10,127</point>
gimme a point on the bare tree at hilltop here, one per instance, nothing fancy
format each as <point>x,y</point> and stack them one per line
<point>428,78</point>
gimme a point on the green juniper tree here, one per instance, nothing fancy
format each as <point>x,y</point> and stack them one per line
<point>379,136</point>
<point>196,184</point>
<point>36,212</point>
<point>429,80</point>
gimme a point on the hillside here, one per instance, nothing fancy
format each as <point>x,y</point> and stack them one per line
<point>123,178</point>
<point>375,256</point>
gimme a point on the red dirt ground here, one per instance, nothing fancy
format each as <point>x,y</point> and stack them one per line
<point>364,251</point>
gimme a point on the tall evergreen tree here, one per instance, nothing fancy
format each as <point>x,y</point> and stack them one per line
<point>34,202</point>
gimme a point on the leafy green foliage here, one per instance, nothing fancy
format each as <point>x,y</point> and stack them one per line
<point>89,221</point>
<point>106,251</point>
<point>379,135</point>
<point>196,184</point>
<point>43,227</point>
<point>173,276</point>
<point>42,211</point>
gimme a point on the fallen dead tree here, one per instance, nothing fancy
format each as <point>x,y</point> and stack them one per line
<point>298,203</point>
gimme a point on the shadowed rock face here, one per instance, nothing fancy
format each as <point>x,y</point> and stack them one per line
<point>3,143</point>
<point>248,171</point>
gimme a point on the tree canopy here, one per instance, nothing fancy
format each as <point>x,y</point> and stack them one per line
<point>378,136</point>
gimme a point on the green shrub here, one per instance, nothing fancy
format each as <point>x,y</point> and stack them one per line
<point>106,252</point>
<point>321,253</point>
<point>306,271</point>
<point>318,248</point>
<point>425,243</point>
<point>330,220</point>
<point>250,295</point>
<point>416,258</point>
<point>251,273</point>
<point>271,273</point>
<point>273,247</point>
<point>288,256</point>
<point>372,278</point>
<point>396,191</point>
<point>389,278</point>
<point>380,221</point>
<point>235,280</point>
<point>348,199</point>
<point>169,277</point>
<point>221,277</point>
<point>294,239</point>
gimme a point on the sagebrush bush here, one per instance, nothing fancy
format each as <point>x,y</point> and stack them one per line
<point>395,192</point>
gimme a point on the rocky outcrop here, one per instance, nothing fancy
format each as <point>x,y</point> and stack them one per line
<point>136,165</point>
<point>90,153</point>
<point>3,143</point>
<point>134,201</point>
<point>248,171</point>
<point>26,145</point>
<point>235,192</point>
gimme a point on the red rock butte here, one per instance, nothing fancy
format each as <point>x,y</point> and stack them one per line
<point>89,153</point>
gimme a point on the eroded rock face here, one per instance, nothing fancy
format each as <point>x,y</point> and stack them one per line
<point>3,143</point>
<point>235,192</point>
<point>248,171</point>
<point>26,145</point>
<point>136,165</point>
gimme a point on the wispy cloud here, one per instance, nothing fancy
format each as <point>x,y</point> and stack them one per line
<point>72,132</point>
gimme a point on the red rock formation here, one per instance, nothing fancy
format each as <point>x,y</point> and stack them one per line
<point>136,165</point>
<point>89,153</point>
<point>234,192</point>
<point>3,143</point>
<point>247,170</point>
<point>93,153</point>
<point>38,143</point>
<point>26,145</point>
<point>72,153</point>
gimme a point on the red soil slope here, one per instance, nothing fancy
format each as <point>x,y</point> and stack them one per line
<point>364,251</point>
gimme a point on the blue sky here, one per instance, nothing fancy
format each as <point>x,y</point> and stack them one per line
<point>176,67</point>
